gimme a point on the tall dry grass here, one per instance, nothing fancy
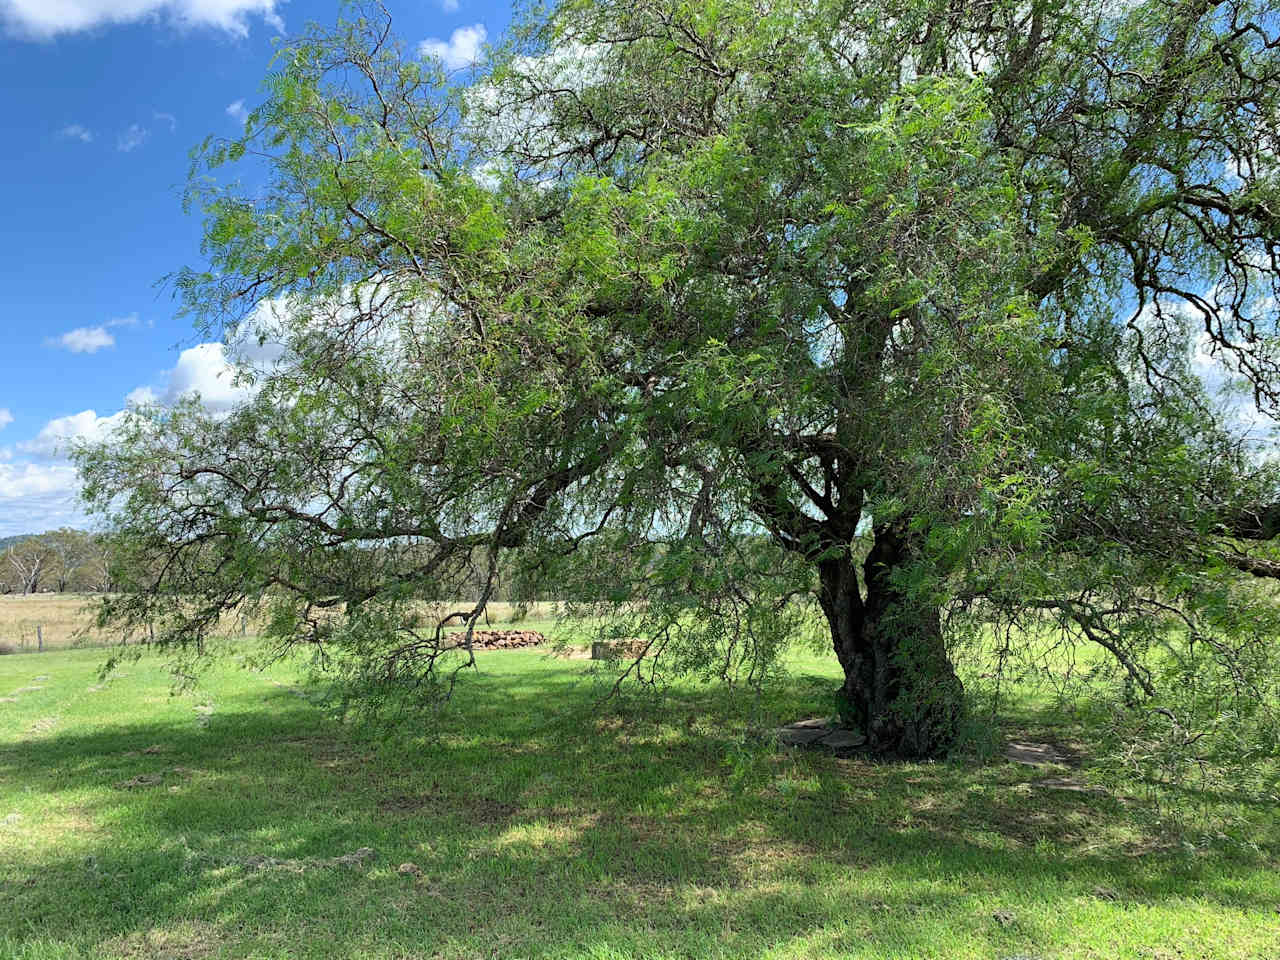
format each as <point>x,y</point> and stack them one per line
<point>63,619</point>
<point>58,618</point>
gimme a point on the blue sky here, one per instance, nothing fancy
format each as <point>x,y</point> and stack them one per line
<point>106,98</point>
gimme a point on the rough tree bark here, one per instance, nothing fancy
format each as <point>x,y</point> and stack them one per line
<point>899,681</point>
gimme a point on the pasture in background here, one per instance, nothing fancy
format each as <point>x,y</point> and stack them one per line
<point>57,621</point>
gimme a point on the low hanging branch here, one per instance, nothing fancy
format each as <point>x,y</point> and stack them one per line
<point>683,314</point>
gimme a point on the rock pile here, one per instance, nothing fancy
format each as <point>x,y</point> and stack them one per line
<point>505,639</point>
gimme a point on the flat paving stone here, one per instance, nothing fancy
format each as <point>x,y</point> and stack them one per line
<point>800,737</point>
<point>842,740</point>
<point>1033,754</point>
<point>1066,783</point>
<point>812,723</point>
<point>818,734</point>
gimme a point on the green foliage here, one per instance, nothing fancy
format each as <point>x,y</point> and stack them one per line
<point>673,308</point>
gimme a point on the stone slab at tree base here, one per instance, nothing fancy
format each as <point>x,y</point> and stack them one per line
<point>1034,754</point>
<point>818,734</point>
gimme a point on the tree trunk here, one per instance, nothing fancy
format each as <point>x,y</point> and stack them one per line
<point>900,685</point>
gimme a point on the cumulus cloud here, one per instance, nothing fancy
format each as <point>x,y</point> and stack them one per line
<point>76,131</point>
<point>41,490</point>
<point>203,370</point>
<point>514,114</point>
<point>1214,367</point>
<point>45,19</point>
<point>449,6</point>
<point>132,138</point>
<point>57,438</point>
<point>84,340</point>
<point>237,111</point>
<point>462,49</point>
<point>38,496</point>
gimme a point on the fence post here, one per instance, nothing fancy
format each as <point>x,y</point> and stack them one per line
<point>39,638</point>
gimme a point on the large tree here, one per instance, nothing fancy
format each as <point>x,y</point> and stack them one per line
<point>921,309</point>
<point>30,561</point>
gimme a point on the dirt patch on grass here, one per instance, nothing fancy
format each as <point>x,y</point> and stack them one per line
<point>487,811</point>
<point>476,810</point>
<point>193,940</point>
<point>409,803</point>
<point>357,858</point>
<point>141,780</point>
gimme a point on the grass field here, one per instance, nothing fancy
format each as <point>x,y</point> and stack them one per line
<point>60,617</point>
<point>235,822</point>
<point>63,619</point>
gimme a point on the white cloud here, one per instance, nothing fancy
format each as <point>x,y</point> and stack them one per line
<point>204,370</point>
<point>132,138</point>
<point>43,19</point>
<point>6,417</point>
<point>237,111</point>
<point>76,131</point>
<point>83,340</point>
<point>209,370</point>
<point>516,113</point>
<point>38,496</point>
<point>462,49</point>
<point>58,436</point>
<point>40,489</point>
<point>166,118</point>
<point>449,6</point>
<point>24,479</point>
<point>130,320</point>
<point>489,174</point>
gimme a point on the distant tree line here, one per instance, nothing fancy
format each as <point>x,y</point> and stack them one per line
<point>77,561</point>
<point>62,561</point>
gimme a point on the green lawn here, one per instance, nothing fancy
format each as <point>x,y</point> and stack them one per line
<point>543,826</point>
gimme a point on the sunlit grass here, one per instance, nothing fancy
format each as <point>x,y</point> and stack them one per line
<point>138,824</point>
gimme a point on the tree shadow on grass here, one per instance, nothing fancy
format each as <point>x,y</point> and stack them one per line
<point>534,821</point>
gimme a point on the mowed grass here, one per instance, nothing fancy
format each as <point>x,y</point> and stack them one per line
<point>134,823</point>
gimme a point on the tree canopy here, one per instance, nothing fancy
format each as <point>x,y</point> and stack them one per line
<point>64,559</point>
<point>931,322</point>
